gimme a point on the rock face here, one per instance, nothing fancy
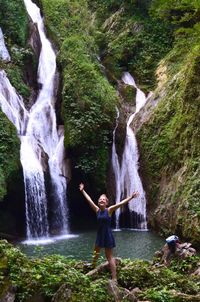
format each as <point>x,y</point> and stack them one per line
<point>8,294</point>
<point>167,129</point>
<point>169,148</point>
<point>64,294</point>
<point>34,39</point>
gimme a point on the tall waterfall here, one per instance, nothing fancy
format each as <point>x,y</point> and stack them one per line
<point>42,131</point>
<point>128,173</point>
<point>42,144</point>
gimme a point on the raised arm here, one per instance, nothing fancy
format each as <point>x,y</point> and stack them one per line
<point>114,207</point>
<point>88,198</point>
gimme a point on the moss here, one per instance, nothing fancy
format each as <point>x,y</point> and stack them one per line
<point>150,279</point>
<point>15,76</point>
<point>130,40</point>
<point>50,273</point>
<point>128,93</point>
<point>9,152</point>
<point>88,100</point>
<point>14,21</point>
<point>171,142</point>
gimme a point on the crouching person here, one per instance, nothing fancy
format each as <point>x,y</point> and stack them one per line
<point>172,242</point>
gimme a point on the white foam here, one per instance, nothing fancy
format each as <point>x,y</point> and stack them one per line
<point>49,240</point>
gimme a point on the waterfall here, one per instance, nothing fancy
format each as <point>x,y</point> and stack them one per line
<point>12,104</point>
<point>129,177</point>
<point>42,128</point>
<point>4,54</point>
<point>42,144</point>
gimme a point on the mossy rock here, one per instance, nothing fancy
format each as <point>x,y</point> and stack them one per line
<point>9,152</point>
<point>170,145</point>
<point>128,94</point>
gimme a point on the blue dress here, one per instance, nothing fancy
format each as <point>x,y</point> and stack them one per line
<point>105,238</point>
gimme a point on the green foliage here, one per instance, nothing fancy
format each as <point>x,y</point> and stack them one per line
<point>15,76</point>
<point>185,266</point>
<point>9,152</point>
<point>65,18</point>
<point>46,275</point>
<point>137,274</point>
<point>159,295</point>
<point>128,93</point>
<point>88,105</point>
<point>182,13</point>
<point>170,139</point>
<point>104,8</point>
<point>156,283</point>
<point>14,21</point>
<point>2,184</point>
<point>131,41</point>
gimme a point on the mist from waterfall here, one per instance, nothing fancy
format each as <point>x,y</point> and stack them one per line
<point>42,144</point>
<point>126,177</point>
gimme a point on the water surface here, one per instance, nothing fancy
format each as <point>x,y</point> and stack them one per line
<point>129,244</point>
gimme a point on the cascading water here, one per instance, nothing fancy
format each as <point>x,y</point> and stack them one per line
<point>128,174</point>
<point>40,139</point>
<point>42,126</point>
<point>12,104</point>
<point>4,54</point>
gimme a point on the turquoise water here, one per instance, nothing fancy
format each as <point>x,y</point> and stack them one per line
<point>129,244</point>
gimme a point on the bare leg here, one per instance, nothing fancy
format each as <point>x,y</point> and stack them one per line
<point>111,260</point>
<point>95,256</point>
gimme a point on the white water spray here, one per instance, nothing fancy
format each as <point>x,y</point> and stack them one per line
<point>42,145</point>
<point>42,123</point>
<point>4,54</point>
<point>129,177</point>
<point>12,104</point>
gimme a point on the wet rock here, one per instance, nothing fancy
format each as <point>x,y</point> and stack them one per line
<point>102,267</point>
<point>64,294</point>
<point>129,296</point>
<point>136,291</point>
<point>185,297</point>
<point>34,40</point>
<point>8,294</point>
<point>114,290</point>
<point>197,271</point>
<point>119,293</point>
<point>36,298</point>
<point>183,251</point>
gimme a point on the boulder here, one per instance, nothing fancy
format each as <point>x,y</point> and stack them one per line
<point>8,294</point>
<point>183,251</point>
<point>64,294</point>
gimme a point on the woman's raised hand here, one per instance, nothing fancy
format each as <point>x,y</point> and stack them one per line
<point>81,187</point>
<point>135,194</point>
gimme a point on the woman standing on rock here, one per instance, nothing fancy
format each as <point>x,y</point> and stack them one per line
<point>104,238</point>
